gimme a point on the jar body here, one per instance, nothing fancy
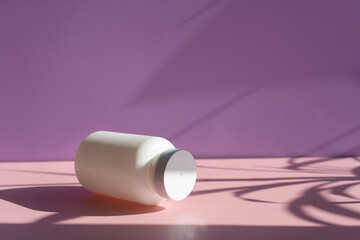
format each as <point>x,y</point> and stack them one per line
<point>120,165</point>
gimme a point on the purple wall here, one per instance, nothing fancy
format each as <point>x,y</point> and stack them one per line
<point>219,78</point>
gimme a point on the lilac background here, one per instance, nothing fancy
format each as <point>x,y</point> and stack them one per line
<point>219,78</point>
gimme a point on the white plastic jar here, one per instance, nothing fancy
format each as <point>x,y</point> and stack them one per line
<point>137,168</point>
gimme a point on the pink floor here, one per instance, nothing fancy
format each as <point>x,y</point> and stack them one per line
<point>282,198</point>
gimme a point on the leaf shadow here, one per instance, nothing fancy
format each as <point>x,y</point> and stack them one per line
<point>311,196</point>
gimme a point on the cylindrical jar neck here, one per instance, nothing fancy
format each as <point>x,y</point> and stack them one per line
<point>159,171</point>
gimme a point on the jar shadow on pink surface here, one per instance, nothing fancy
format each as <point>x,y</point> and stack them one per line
<point>69,202</point>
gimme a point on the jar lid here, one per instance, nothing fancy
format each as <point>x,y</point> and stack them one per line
<point>175,174</point>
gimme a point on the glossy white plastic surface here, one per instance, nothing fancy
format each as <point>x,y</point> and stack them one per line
<point>120,165</point>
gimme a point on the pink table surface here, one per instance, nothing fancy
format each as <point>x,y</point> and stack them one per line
<point>277,198</point>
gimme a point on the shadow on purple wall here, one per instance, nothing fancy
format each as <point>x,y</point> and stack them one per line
<point>303,55</point>
<point>183,71</point>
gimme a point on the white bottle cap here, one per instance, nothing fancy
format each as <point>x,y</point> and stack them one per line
<point>175,174</point>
